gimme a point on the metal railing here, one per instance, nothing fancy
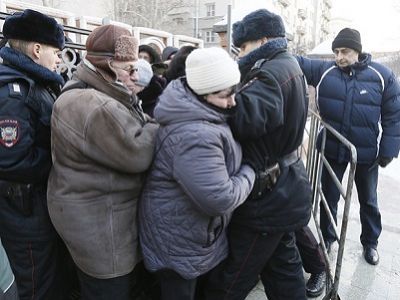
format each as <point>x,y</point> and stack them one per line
<point>315,162</point>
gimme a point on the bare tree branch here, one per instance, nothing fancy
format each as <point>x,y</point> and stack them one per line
<point>148,13</point>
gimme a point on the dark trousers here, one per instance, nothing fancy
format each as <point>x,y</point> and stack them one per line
<point>11,294</point>
<point>366,180</point>
<point>273,257</point>
<point>175,287</point>
<point>39,268</point>
<point>310,251</point>
<point>92,288</point>
<point>36,253</point>
<point>145,284</point>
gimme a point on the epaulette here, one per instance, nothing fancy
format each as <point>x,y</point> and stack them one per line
<point>259,63</point>
<point>15,89</point>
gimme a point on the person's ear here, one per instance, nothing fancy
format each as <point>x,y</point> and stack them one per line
<point>264,40</point>
<point>36,50</point>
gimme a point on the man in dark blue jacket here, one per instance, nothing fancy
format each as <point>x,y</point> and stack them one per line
<point>361,100</point>
<point>28,88</point>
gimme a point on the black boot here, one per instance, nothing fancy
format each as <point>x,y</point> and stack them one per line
<point>315,285</point>
<point>371,255</point>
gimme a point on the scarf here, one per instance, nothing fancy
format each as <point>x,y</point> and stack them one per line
<point>26,65</point>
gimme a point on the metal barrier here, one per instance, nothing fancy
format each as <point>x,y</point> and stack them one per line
<point>316,160</point>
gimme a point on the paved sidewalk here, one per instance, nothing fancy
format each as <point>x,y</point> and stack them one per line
<point>359,280</point>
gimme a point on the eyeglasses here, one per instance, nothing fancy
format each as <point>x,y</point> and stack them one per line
<point>131,70</point>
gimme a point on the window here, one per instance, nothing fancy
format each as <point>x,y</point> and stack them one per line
<point>210,7</point>
<point>210,37</point>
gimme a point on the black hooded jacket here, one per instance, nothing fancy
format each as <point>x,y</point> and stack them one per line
<point>269,122</point>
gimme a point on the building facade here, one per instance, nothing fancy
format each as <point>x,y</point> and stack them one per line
<point>306,21</point>
<point>197,19</point>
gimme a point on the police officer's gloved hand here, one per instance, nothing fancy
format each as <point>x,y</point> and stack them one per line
<point>384,161</point>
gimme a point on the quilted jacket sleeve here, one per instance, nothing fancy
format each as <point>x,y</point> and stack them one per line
<point>200,169</point>
<point>313,69</point>
<point>390,119</point>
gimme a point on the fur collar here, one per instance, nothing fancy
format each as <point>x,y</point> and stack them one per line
<point>26,65</point>
<point>265,51</point>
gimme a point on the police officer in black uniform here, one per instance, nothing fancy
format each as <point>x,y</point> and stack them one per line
<point>269,122</point>
<point>28,89</point>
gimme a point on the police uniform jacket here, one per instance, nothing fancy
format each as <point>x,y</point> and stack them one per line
<point>269,123</point>
<point>27,94</point>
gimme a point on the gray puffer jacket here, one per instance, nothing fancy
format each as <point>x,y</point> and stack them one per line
<point>195,183</point>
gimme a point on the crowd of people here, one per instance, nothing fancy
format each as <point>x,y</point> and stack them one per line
<point>178,176</point>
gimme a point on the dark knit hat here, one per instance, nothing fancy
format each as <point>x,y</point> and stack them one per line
<point>348,38</point>
<point>167,52</point>
<point>109,42</point>
<point>256,25</point>
<point>31,25</point>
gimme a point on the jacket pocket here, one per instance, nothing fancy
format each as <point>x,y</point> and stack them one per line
<point>200,240</point>
<point>19,197</point>
<point>124,226</point>
<point>215,228</point>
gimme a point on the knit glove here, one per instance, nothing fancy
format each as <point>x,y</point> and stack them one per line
<point>384,161</point>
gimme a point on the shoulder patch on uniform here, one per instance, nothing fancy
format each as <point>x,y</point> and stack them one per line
<point>9,132</point>
<point>15,89</point>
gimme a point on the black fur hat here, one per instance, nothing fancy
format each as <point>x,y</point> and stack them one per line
<point>348,38</point>
<point>31,25</point>
<point>256,25</point>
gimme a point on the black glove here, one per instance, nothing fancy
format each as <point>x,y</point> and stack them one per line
<point>384,161</point>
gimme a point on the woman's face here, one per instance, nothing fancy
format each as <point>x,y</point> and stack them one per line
<point>224,99</point>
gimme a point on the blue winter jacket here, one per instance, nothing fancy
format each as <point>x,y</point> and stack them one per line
<point>194,185</point>
<point>362,103</point>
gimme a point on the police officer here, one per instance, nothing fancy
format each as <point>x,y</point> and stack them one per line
<point>28,89</point>
<point>269,123</point>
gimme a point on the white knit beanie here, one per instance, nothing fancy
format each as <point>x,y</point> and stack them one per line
<point>145,72</point>
<point>210,70</point>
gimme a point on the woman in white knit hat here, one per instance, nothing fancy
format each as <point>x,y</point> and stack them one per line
<point>197,178</point>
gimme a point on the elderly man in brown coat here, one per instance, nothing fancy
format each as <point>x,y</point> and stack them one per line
<point>102,144</point>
